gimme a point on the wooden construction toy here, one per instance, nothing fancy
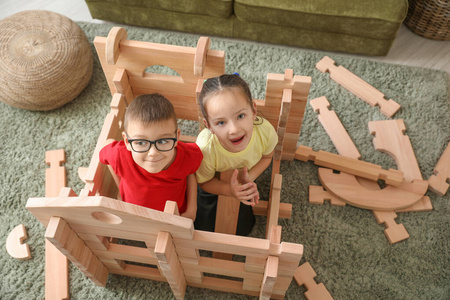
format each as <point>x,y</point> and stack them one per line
<point>56,263</point>
<point>15,245</point>
<point>358,86</point>
<point>81,228</point>
<point>349,165</point>
<point>334,128</point>
<point>317,195</point>
<point>305,276</point>
<point>347,188</point>
<point>438,182</point>
<point>87,228</point>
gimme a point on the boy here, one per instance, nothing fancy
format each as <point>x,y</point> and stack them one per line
<point>152,164</point>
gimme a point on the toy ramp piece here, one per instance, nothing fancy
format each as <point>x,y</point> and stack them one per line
<point>109,217</point>
<point>438,181</point>
<point>348,189</point>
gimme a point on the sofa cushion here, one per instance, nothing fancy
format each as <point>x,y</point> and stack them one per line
<point>366,18</point>
<point>213,8</point>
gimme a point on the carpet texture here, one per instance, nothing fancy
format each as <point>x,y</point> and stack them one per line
<point>345,245</point>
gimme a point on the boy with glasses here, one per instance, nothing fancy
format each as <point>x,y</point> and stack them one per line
<point>152,164</point>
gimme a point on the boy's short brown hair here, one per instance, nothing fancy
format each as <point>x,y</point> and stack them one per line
<point>150,108</point>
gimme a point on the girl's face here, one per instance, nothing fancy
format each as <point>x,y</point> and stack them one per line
<point>230,118</point>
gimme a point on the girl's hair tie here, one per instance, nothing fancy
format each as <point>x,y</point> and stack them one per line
<point>236,73</point>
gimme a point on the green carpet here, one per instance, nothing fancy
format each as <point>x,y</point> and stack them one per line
<point>344,245</point>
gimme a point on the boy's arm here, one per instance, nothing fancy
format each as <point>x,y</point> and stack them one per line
<point>191,197</point>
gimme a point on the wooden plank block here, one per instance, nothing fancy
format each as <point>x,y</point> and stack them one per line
<point>317,195</point>
<point>15,245</point>
<point>226,216</point>
<point>123,86</point>
<point>282,121</point>
<point>56,264</point>
<point>394,232</point>
<point>274,204</point>
<point>170,265</point>
<point>334,128</point>
<point>438,182</point>
<point>348,189</point>
<point>305,276</point>
<point>270,277</point>
<point>349,165</point>
<point>261,209</point>
<point>66,240</point>
<point>358,86</point>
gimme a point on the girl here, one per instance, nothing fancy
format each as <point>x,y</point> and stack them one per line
<point>230,141</point>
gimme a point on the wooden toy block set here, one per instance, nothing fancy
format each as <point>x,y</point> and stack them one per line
<point>98,233</point>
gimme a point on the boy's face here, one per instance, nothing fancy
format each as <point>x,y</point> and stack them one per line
<point>230,118</point>
<point>153,161</point>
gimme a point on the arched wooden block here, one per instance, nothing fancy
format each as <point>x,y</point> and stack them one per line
<point>112,51</point>
<point>203,45</point>
<point>348,189</point>
<point>15,245</point>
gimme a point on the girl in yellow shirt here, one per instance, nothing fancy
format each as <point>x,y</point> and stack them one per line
<point>234,139</point>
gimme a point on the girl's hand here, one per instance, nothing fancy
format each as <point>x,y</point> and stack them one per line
<point>247,192</point>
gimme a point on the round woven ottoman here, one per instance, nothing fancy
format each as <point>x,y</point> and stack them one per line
<point>45,60</point>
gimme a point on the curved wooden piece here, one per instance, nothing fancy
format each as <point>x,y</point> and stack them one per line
<point>15,245</point>
<point>112,50</point>
<point>201,51</point>
<point>348,189</point>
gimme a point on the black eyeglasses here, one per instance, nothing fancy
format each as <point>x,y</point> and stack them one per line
<point>142,145</point>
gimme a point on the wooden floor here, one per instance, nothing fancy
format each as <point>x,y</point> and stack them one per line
<point>408,49</point>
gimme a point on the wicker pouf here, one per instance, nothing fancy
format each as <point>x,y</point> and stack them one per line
<point>429,18</point>
<point>45,60</point>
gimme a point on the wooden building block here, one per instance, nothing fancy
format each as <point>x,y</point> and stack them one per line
<point>170,265</point>
<point>358,86</point>
<point>390,138</point>
<point>112,50</point>
<point>226,216</point>
<point>305,276</point>
<point>15,245</point>
<point>270,277</point>
<point>394,232</point>
<point>349,165</point>
<point>274,204</point>
<point>261,209</point>
<point>317,195</point>
<point>334,128</point>
<point>56,264</point>
<point>203,45</point>
<point>282,122</point>
<point>438,182</point>
<point>347,188</point>
<point>67,241</point>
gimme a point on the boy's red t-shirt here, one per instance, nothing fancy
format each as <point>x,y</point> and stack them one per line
<point>140,187</point>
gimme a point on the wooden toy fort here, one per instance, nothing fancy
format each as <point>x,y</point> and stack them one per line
<point>88,228</point>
